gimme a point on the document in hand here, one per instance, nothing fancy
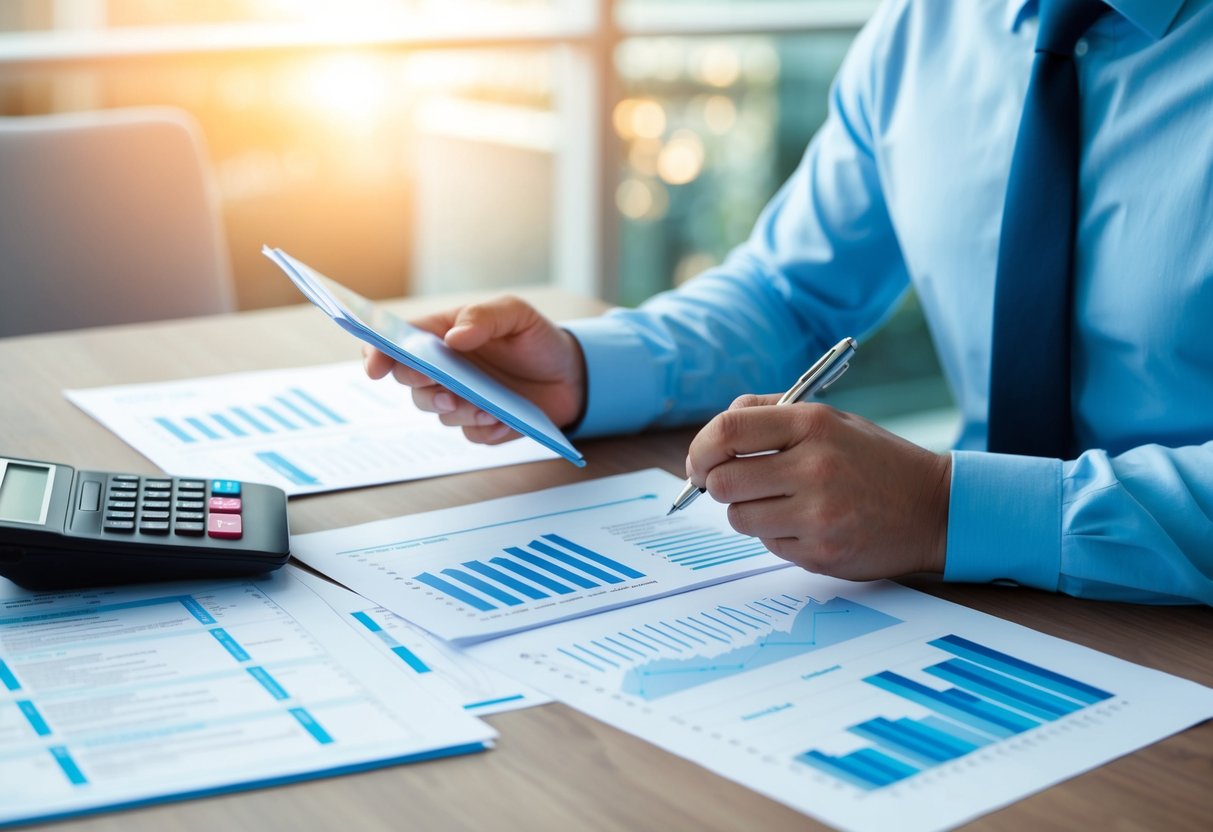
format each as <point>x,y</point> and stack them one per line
<point>423,352</point>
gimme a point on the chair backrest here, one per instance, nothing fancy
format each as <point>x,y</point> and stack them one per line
<point>107,217</point>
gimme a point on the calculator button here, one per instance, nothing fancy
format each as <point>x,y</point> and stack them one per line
<point>90,496</point>
<point>119,525</point>
<point>225,505</point>
<point>155,515</point>
<point>190,505</point>
<point>123,485</point>
<point>225,526</point>
<point>191,528</point>
<point>191,485</point>
<point>125,477</point>
<point>156,504</point>
<point>157,485</point>
<point>120,515</point>
<point>153,526</point>
<point>191,516</point>
<point>120,504</point>
<point>225,488</point>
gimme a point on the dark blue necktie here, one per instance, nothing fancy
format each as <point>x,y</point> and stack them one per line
<point>1030,353</point>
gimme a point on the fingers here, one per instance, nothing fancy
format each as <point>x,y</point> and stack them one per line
<point>378,365</point>
<point>750,426</point>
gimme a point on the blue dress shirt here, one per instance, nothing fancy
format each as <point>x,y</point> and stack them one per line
<point>905,184</point>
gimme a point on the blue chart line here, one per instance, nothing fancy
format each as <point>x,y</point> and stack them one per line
<point>996,696</point>
<point>290,411</point>
<point>548,566</point>
<point>700,548</point>
<point>650,675</point>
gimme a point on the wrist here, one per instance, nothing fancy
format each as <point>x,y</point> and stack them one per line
<point>577,382</point>
<point>939,491</point>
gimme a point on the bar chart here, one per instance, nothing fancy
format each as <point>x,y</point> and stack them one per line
<point>995,696</point>
<point>293,409</point>
<point>670,655</point>
<point>482,570</point>
<point>868,705</point>
<point>550,565</point>
<point>699,548</point>
<point>303,429</point>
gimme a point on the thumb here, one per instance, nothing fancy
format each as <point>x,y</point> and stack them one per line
<point>754,400</point>
<point>478,323</point>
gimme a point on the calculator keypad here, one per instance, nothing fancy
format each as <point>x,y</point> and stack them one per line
<point>162,505</point>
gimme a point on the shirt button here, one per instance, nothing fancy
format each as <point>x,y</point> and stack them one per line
<point>1081,48</point>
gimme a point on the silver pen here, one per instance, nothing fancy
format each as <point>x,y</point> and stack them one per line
<point>824,372</point>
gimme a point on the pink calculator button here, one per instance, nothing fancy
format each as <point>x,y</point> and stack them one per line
<point>224,526</point>
<point>226,505</point>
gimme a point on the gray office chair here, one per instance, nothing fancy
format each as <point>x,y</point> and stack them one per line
<point>107,217</point>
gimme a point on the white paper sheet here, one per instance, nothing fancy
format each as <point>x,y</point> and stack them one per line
<point>305,429</point>
<point>446,672</point>
<point>765,681</point>
<point>117,697</point>
<point>482,570</point>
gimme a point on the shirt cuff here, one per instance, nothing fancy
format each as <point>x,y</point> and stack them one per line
<point>1004,520</point>
<point>622,390</point>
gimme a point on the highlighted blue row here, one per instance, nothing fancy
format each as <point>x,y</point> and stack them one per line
<point>191,605</point>
<point>278,463</point>
<point>703,549</point>
<point>72,771</point>
<point>35,719</point>
<point>294,410</point>
<point>269,683</point>
<point>399,650</point>
<point>996,696</point>
<point>230,644</point>
<point>310,724</point>
<point>7,678</point>
<point>553,565</point>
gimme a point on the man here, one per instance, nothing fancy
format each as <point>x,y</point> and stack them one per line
<point>937,166</point>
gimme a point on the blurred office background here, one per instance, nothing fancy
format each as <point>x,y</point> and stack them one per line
<point>611,147</point>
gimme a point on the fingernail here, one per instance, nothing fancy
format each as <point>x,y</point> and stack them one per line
<point>499,432</point>
<point>444,402</point>
<point>483,418</point>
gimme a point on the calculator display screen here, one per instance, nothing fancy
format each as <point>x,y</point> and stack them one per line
<point>24,492</point>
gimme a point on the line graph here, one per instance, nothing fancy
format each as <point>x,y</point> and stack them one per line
<point>668,656</point>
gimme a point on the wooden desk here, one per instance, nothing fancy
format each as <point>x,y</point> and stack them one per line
<point>554,768</point>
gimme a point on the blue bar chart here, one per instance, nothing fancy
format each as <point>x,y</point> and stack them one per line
<point>671,655</point>
<point>994,696</point>
<point>294,409</point>
<point>550,565</point>
<point>700,548</point>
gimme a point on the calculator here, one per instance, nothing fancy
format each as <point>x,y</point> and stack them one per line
<point>62,528</point>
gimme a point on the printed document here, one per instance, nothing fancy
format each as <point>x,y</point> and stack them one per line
<point>305,429</point>
<point>424,352</point>
<point>486,569</point>
<point>124,696</point>
<point>868,706</point>
<point>443,670</point>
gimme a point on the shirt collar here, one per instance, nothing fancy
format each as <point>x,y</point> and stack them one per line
<point>1154,17</point>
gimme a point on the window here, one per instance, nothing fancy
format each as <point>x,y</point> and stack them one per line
<point>420,146</point>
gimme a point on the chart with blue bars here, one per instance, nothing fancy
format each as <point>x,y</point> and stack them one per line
<point>550,566</point>
<point>993,696</point>
<point>667,656</point>
<point>291,411</point>
<point>700,548</point>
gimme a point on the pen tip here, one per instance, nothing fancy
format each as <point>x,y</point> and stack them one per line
<point>671,511</point>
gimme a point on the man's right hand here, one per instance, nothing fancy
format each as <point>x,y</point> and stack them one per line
<point>510,340</point>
